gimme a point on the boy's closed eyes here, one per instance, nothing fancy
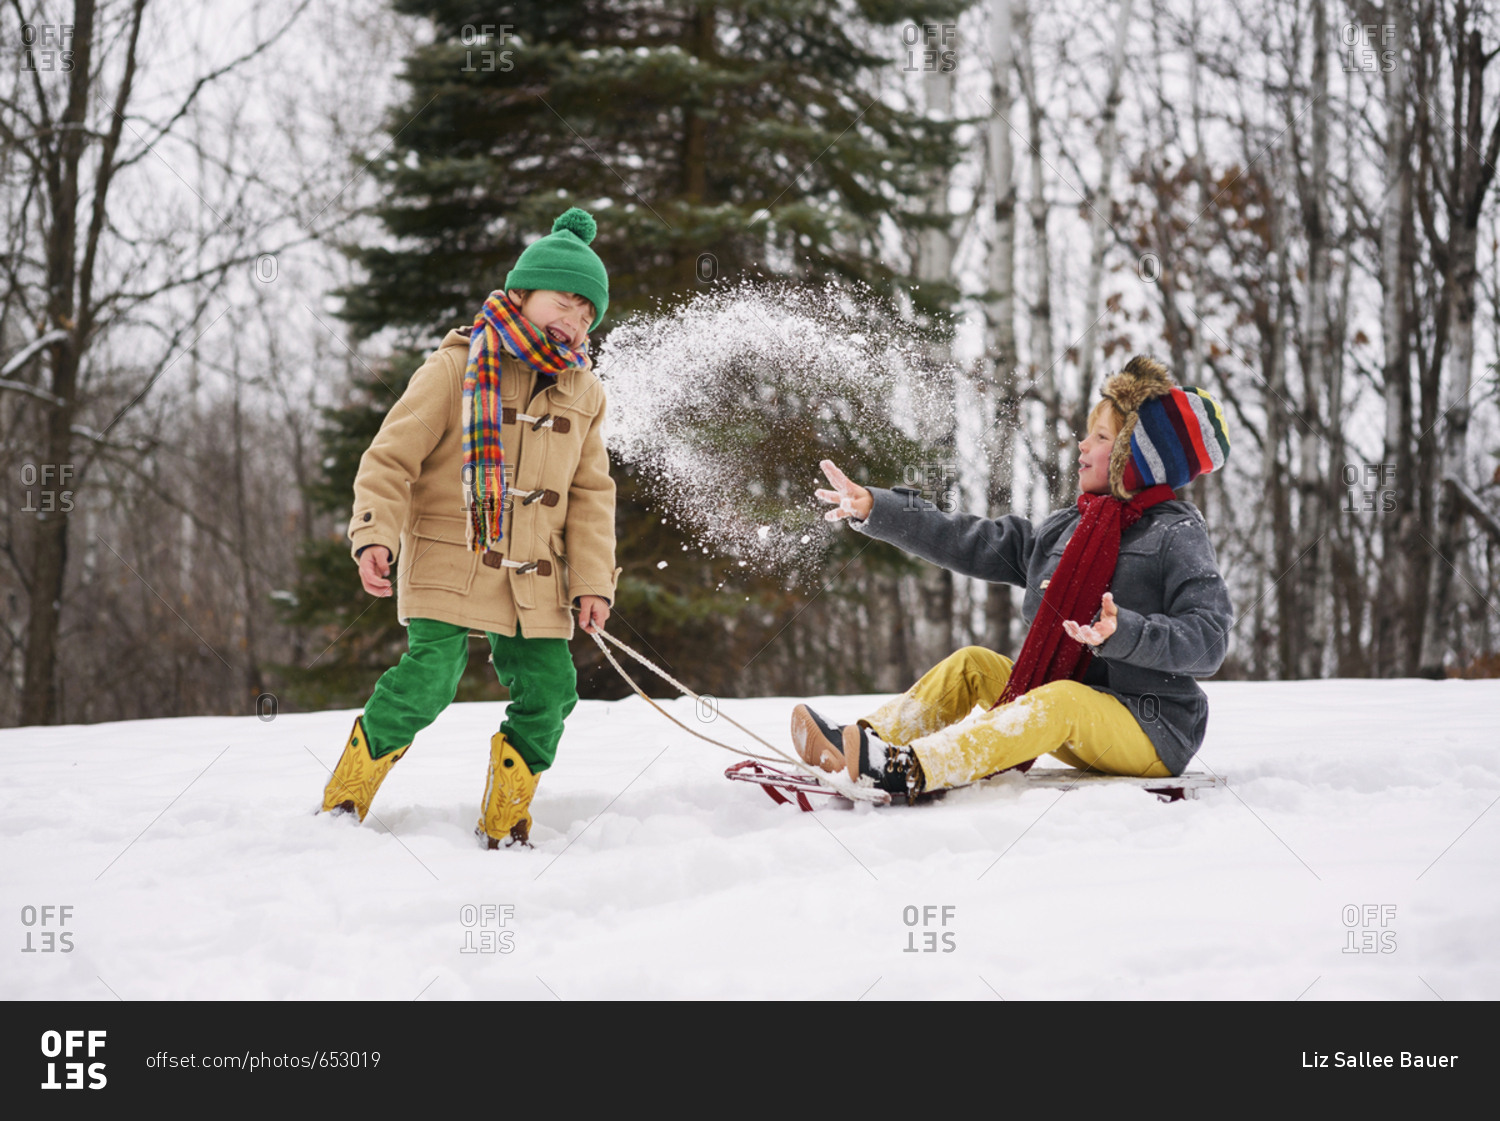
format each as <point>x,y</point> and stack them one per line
<point>562,316</point>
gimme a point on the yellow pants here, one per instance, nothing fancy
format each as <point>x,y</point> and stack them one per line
<point>1079,725</point>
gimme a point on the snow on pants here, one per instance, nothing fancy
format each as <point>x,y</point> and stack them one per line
<point>411,694</point>
<point>1083,727</point>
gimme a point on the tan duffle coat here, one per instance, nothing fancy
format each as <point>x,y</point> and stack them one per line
<point>559,517</point>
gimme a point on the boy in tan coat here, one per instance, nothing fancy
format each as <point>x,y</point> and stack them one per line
<point>490,482</point>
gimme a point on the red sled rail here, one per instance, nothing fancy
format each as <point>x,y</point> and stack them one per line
<point>773,782</point>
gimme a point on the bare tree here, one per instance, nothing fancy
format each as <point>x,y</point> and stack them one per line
<point>1458,167</point>
<point>87,267</point>
<point>1315,472</point>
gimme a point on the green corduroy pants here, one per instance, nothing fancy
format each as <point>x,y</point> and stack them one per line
<point>411,694</point>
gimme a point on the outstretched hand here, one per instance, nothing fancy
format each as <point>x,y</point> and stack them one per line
<point>854,501</point>
<point>1102,628</point>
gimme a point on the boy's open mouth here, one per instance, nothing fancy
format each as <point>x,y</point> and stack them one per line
<point>558,336</point>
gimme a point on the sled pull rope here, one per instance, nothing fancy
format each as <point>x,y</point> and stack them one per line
<point>848,790</point>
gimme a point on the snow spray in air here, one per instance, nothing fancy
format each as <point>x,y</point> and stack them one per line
<point>728,400</point>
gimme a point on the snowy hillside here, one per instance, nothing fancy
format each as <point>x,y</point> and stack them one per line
<point>194,866</point>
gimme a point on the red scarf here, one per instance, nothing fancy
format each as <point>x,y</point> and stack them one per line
<point>1076,591</point>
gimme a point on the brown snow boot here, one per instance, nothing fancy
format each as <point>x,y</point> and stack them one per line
<point>819,743</point>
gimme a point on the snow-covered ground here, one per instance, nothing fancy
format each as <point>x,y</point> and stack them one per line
<point>194,866</point>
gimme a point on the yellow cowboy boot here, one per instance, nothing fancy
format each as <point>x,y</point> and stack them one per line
<point>357,777</point>
<point>507,797</point>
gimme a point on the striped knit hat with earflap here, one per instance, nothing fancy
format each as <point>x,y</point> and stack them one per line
<point>1171,435</point>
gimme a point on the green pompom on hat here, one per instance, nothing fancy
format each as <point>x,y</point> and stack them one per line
<point>563,262</point>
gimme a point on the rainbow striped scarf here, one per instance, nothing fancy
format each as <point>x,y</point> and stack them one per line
<point>498,325</point>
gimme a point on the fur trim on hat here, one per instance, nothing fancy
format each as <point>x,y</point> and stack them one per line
<point>1142,379</point>
<point>1119,456</point>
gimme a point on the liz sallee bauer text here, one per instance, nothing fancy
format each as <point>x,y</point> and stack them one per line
<point>1370,1059</point>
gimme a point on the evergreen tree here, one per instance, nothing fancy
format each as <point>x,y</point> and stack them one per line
<point>711,141</point>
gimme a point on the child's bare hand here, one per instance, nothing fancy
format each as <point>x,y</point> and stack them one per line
<point>593,613</point>
<point>374,568</point>
<point>1103,627</point>
<point>854,501</point>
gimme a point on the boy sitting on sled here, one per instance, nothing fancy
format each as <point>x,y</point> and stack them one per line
<point>1124,602</point>
<point>484,477</point>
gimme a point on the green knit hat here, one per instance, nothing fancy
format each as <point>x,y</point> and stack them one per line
<point>563,262</point>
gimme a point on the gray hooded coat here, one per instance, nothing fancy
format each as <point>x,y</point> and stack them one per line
<point>1174,618</point>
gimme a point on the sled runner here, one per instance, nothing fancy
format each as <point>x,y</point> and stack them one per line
<point>778,784</point>
<point>1173,789</point>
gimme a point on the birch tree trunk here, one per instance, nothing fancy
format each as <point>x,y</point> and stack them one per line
<point>1171,249</point>
<point>1000,311</point>
<point>1197,232</point>
<point>1347,589</point>
<point>1392,587</point>
<point>1042,374</point>
<point>1100,227</point>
